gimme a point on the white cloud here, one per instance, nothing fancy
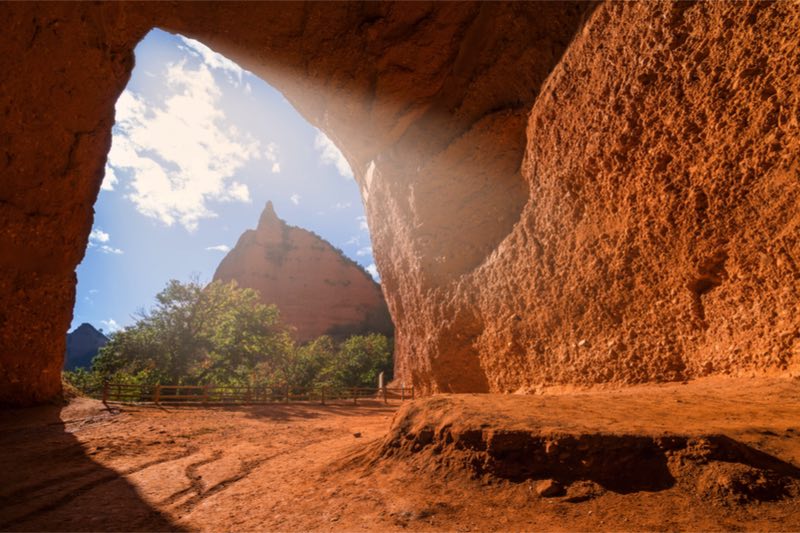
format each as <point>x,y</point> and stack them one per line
<point>93,291</point>
<point>96,239</point>
<point>341,205</point>
<point>219,248</point>
<point>355,239</point>
<point>362,222</point>
<point>182,153</point>
<point>239,191</point>
<point>214,60</point>
<point>331,155</point>
<point>98,235</point>
<point>373,271</point>
<point>367,250</point>
<point>109,180</point>
<point>110,325</point>
<point>110,250</point>
<point>295,198</point>
<point>271,155</point>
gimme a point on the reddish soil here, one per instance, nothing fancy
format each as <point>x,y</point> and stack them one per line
<point>715,454</point>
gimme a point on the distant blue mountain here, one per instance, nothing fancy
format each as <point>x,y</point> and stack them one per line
<point>82,345</point>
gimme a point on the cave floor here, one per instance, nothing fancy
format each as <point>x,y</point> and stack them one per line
<point>292,467</point>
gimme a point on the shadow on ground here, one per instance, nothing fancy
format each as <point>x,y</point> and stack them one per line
<point>49,482</point>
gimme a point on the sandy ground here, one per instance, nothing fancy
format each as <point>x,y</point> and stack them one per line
<point>301,466</point>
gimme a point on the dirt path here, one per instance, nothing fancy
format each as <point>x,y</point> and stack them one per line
<point>301,467</point>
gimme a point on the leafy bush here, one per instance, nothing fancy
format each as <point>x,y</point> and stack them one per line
<point>358,361</point>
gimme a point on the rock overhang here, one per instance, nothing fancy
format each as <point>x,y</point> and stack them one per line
<point>526,188</point>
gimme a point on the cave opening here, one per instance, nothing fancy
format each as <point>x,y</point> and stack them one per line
<point>417,96</point>
<point>199,146</point>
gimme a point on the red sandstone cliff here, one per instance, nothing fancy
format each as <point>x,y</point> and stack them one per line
<point>318,290</point>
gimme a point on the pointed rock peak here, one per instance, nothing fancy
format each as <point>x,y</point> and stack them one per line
<point>269,217</point>
<point>85,327</point>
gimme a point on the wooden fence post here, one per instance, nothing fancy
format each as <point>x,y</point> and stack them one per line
<point>157,394</point>
<point>323,395</point>
<point>355,398</point>
<point>205,394</point>
<point>105,393</point>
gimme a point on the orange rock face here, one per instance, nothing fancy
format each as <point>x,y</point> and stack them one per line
<point>318,290</point>
<point>661,238</point>
<point>558,193</point>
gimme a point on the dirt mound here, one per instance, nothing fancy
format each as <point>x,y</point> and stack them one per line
<point>517,438</point>
<point>620,463</point>
<point>739,483</point>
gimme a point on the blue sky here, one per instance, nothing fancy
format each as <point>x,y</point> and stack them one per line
<point>199,147</point>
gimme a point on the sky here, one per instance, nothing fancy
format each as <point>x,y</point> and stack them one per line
<point>199,146</point>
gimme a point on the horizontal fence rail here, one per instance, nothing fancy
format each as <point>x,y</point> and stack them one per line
<point>222,395</point>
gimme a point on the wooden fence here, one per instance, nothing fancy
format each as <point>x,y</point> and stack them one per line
<point>217,395</point>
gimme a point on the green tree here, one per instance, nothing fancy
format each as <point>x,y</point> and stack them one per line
<point>219,333</point>
<point>308,361</point>
<point>358,361</point>
<point>223,335</point>
<point>84,380</point>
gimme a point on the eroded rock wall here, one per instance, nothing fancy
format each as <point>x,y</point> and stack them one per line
<point>558,193</point>
<point>62,67</point>
<point>661,239</point>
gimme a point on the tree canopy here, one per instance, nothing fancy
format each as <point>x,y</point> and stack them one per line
<point>222,334</point>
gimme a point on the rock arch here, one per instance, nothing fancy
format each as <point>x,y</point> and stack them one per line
<point>529,171</point>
